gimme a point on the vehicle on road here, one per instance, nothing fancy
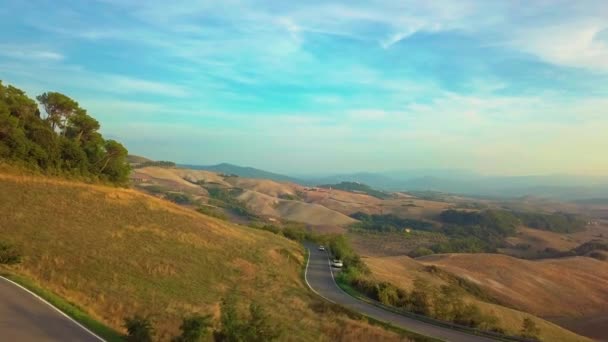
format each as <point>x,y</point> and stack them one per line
<point>322,248</point>
<point>337,263</point>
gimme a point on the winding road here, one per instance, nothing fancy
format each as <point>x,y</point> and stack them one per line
<point>320,278</point>
<point>25,317</point>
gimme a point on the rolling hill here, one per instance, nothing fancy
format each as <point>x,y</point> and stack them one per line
<point>243,171</point>
<point>536,286</point>
<point>117,252</point>
<point>402,270</point>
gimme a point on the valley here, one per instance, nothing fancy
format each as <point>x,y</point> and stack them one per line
<point>534,270</point>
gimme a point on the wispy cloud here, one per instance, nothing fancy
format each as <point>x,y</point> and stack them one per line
<point>405,78</point>
<point>30,52</point>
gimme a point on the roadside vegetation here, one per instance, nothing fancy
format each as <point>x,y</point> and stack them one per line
<point>448,302</point>
<point>63,140</point>
<point>232,325</point>
<point>441,303</point>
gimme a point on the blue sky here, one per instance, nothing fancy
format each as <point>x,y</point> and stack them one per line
<point>501,87</point>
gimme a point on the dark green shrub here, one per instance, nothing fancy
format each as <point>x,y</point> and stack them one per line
<point>139,329</point>
<point>9,255</point>
<point>194,328</point>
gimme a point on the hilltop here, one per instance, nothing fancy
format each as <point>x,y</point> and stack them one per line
<point>116,252</point>
<point>243,171</point>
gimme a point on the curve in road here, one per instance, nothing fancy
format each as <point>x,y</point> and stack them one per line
<point>319,278</point>
<point>26,317</point>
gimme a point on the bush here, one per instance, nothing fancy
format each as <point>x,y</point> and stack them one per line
<point>420,251</point>
<point>529,329</point>
<point>598,255</point>
<point>421,298</point>
<point>139,329</point>
<point>211,211</point>
<point>179,198</point>
<point>9,255</point>
<point>193,329</point>
<point>234,328</point>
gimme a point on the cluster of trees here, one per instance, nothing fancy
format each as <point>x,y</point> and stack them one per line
<point>475,231</point>
<point>357,187</point>
<point>233,327</point>
<point>227,198</point>
<point>387,223</point>
<point>555,222</point>
<point>65,140</point>
<point>597,249</point>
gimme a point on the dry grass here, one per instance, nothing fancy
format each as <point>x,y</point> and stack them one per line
<point>308,213</point>
<point>118,252</point>
<point>265,186</point>
<point>553,287</point>
<point>538,241</point>
<point>402,270</point>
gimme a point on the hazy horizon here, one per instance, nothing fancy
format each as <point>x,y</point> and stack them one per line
<point>337,87</point>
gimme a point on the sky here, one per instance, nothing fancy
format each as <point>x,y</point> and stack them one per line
<point>499,87</point>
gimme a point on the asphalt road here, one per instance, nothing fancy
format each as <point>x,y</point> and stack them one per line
<point>320,278</point>
<point>24,318</point>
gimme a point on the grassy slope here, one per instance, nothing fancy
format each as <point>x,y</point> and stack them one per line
<point>117,252</point>
<point>552,287</point>
<point>402,271</point>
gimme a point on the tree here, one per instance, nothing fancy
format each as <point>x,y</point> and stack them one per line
<point>81,126</point>
<point>67,141</point>
<point>114,164</point>
<point>58,107</point>
<point>529,329</point>
<point>194,328</point>
<point>139,329</point>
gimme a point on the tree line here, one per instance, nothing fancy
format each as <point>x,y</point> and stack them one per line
<point>56,136</point>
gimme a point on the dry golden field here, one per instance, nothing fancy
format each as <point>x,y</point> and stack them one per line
<point>402,270</point>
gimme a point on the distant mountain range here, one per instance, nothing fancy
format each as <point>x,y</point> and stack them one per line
<point>456,181</point>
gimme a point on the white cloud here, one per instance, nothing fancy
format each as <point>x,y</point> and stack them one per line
<point>29,52</point>
<point>570,44</point>
<point>118,83</point>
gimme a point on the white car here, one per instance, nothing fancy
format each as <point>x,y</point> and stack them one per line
<point>337,263</point>
<point>322,248</point>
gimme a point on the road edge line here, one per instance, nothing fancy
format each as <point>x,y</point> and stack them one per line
<point>308,284</point>
<point>54,307</point>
